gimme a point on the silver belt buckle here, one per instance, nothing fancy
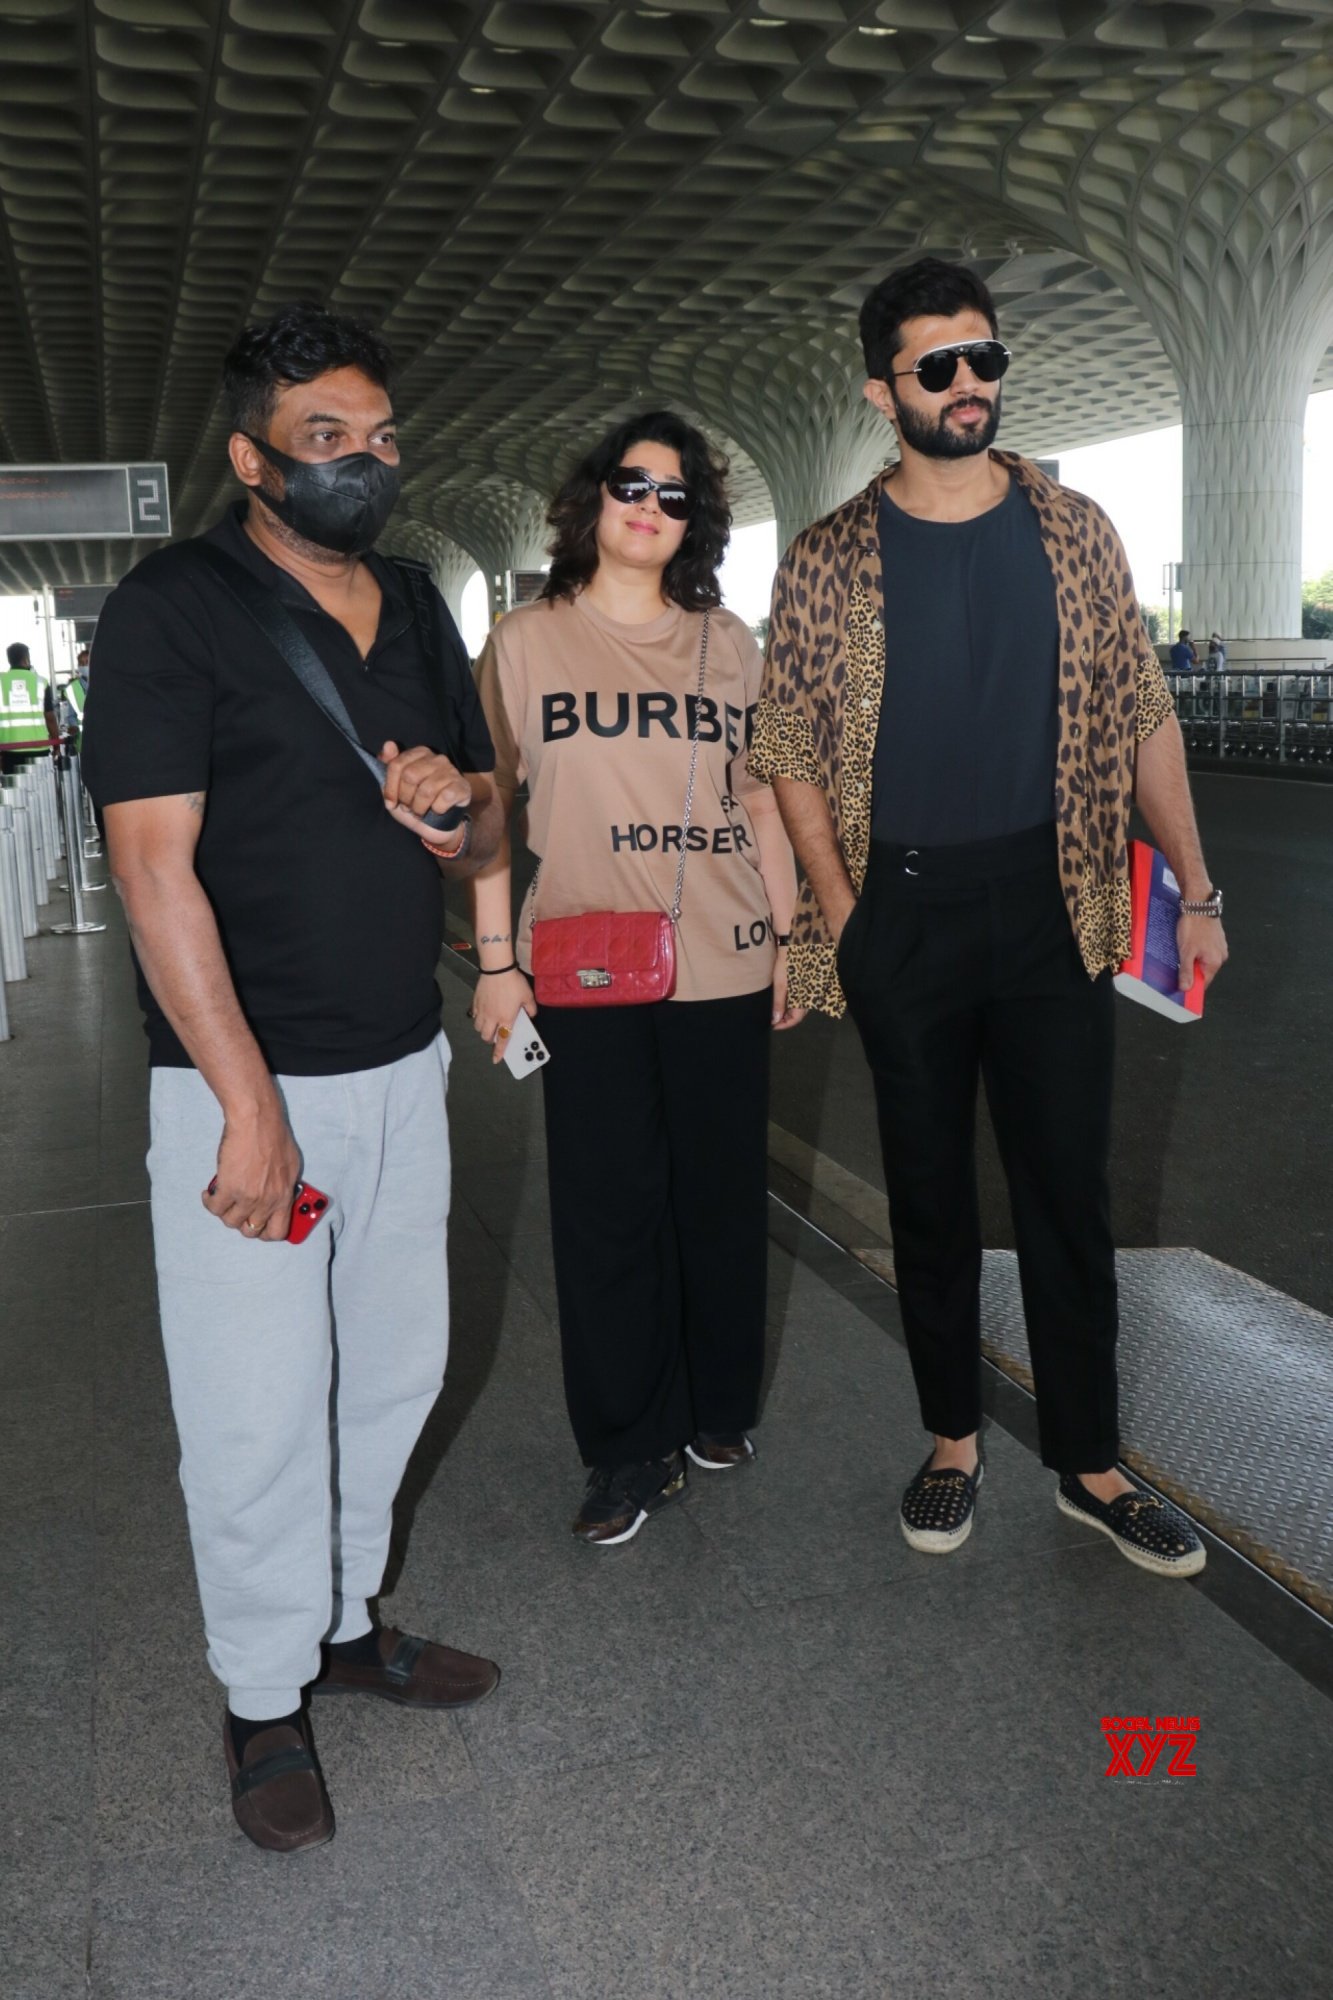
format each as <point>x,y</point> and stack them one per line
<point>594,976</point>
<point>907,857</point>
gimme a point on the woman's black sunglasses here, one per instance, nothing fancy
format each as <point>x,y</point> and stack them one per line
<point>935,370</point>
<point>630,483</point>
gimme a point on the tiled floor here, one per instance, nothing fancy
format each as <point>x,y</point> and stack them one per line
<point>763,1752</point>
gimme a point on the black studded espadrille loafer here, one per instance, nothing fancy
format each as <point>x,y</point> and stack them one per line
<point>1146,1529</point>
<point>938,1507</point>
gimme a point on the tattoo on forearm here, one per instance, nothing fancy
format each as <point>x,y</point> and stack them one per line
<point>494,937</point>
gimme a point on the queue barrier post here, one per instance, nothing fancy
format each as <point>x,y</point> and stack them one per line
<point>38,776</point>
<point>85,849</point>
<point>92,838</point>
<point>26,863</point>
<point>78,925</point>
<point>13,957</point>
<point>43,865</point>
<point>37,833</point>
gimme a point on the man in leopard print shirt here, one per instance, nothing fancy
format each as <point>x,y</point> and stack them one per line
<point>960,702</point>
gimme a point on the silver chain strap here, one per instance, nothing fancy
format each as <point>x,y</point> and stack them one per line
<point>694,766</point>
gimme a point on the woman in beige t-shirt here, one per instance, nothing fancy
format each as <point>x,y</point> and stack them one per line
<point>656,1115</point>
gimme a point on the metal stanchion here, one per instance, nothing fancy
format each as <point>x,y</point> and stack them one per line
<point>42,870</point>
<point>13,957</point>
<point>78,924</point>
<point>39,832</point>
<point>27,864</point>
<point>92,839</point>
<point>46,848</point>
<point>48,789</point>
<point>85,849</point>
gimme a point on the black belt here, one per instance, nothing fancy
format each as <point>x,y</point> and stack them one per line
<point>969,860</point>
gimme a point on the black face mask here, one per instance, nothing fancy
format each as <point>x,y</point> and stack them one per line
<point>340,503</point>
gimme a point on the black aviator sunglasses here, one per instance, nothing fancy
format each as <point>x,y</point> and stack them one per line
<point>936,369</point>
<point>630,484</point>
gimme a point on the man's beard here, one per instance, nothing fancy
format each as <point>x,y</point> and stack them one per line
<point>933,437</point>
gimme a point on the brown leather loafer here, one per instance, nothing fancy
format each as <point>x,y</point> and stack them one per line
<point>277,1793</point>
<point>417,1672</point>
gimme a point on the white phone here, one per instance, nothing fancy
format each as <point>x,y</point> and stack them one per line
<point>525,1051</point>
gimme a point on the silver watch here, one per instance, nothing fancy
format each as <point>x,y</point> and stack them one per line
<point>1211,906</point>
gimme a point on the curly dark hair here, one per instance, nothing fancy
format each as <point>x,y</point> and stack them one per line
<point>930,286</point>
<point>690,578</point>
<point>296,345</point>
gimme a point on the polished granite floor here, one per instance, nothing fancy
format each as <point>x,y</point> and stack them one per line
<point>764,1751</point>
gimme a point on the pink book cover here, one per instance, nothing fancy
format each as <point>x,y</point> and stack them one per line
<point>1150,973</point>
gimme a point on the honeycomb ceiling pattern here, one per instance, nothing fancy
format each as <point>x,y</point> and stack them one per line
<point>559,210</point>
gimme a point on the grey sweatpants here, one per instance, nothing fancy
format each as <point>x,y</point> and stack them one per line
<point>288,1485</point>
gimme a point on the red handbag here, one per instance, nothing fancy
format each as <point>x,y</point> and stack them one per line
<point>604,958</point>
<point>617,958</point>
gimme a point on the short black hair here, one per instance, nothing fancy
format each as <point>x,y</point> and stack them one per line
<point>17,653</point>
<point>1184,632</point>
<point>928,286</point>
<point>690,578</point>
<point>296,345</point>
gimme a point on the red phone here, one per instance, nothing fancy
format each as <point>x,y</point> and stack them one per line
<point>307,1207</point>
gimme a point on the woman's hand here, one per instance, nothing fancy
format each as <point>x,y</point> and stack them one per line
<point>783,1015</point>
<point>495,1008</point>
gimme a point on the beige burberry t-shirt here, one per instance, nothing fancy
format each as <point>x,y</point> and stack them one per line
<point>596,717</point>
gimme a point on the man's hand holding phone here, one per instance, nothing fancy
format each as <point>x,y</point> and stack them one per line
<point>259,1165</point>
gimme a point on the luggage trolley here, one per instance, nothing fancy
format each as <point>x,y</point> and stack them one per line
<point>1321,719</point>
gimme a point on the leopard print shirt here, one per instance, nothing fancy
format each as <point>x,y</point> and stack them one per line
<point>818,712</point>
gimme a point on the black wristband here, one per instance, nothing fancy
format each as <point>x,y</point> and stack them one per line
<point>782,939</point>
<point>489,971</point>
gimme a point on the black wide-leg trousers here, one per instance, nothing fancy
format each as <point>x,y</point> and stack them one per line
<point>959,965</point>
<point>656,1145</point>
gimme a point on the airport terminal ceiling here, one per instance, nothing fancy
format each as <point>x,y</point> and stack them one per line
<point>558,211</point>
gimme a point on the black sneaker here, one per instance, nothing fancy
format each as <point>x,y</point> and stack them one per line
<point>719,1451</point>
<point>937,1508</point>
<point>619,1498</point>
<point>1143,1526</point>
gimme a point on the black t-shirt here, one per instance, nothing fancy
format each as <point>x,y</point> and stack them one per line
<point>968,725</point>
<point>330,913</point>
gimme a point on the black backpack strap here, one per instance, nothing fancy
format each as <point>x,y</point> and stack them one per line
<point>286,637</point>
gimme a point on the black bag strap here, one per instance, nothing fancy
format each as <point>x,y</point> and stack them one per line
<point>283,633</point>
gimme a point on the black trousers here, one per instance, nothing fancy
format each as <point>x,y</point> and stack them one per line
<point>959,964</point>
<point>656,1136</point>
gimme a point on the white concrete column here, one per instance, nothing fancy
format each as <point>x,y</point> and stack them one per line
<point>1242,492</point>
<point>1208,203</point>
<point>819,459</point>
<point>801,418</point>
<point>453,569</point>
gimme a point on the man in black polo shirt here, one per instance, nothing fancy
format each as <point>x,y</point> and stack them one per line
<point>287,919</point>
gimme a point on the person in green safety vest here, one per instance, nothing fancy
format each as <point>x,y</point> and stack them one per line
<point>73,696</point>
<point>27,710</point>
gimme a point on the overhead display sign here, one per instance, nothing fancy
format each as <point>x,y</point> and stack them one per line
<point>523,586</point>
<point>71,503</point>
<point>79,600</point>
